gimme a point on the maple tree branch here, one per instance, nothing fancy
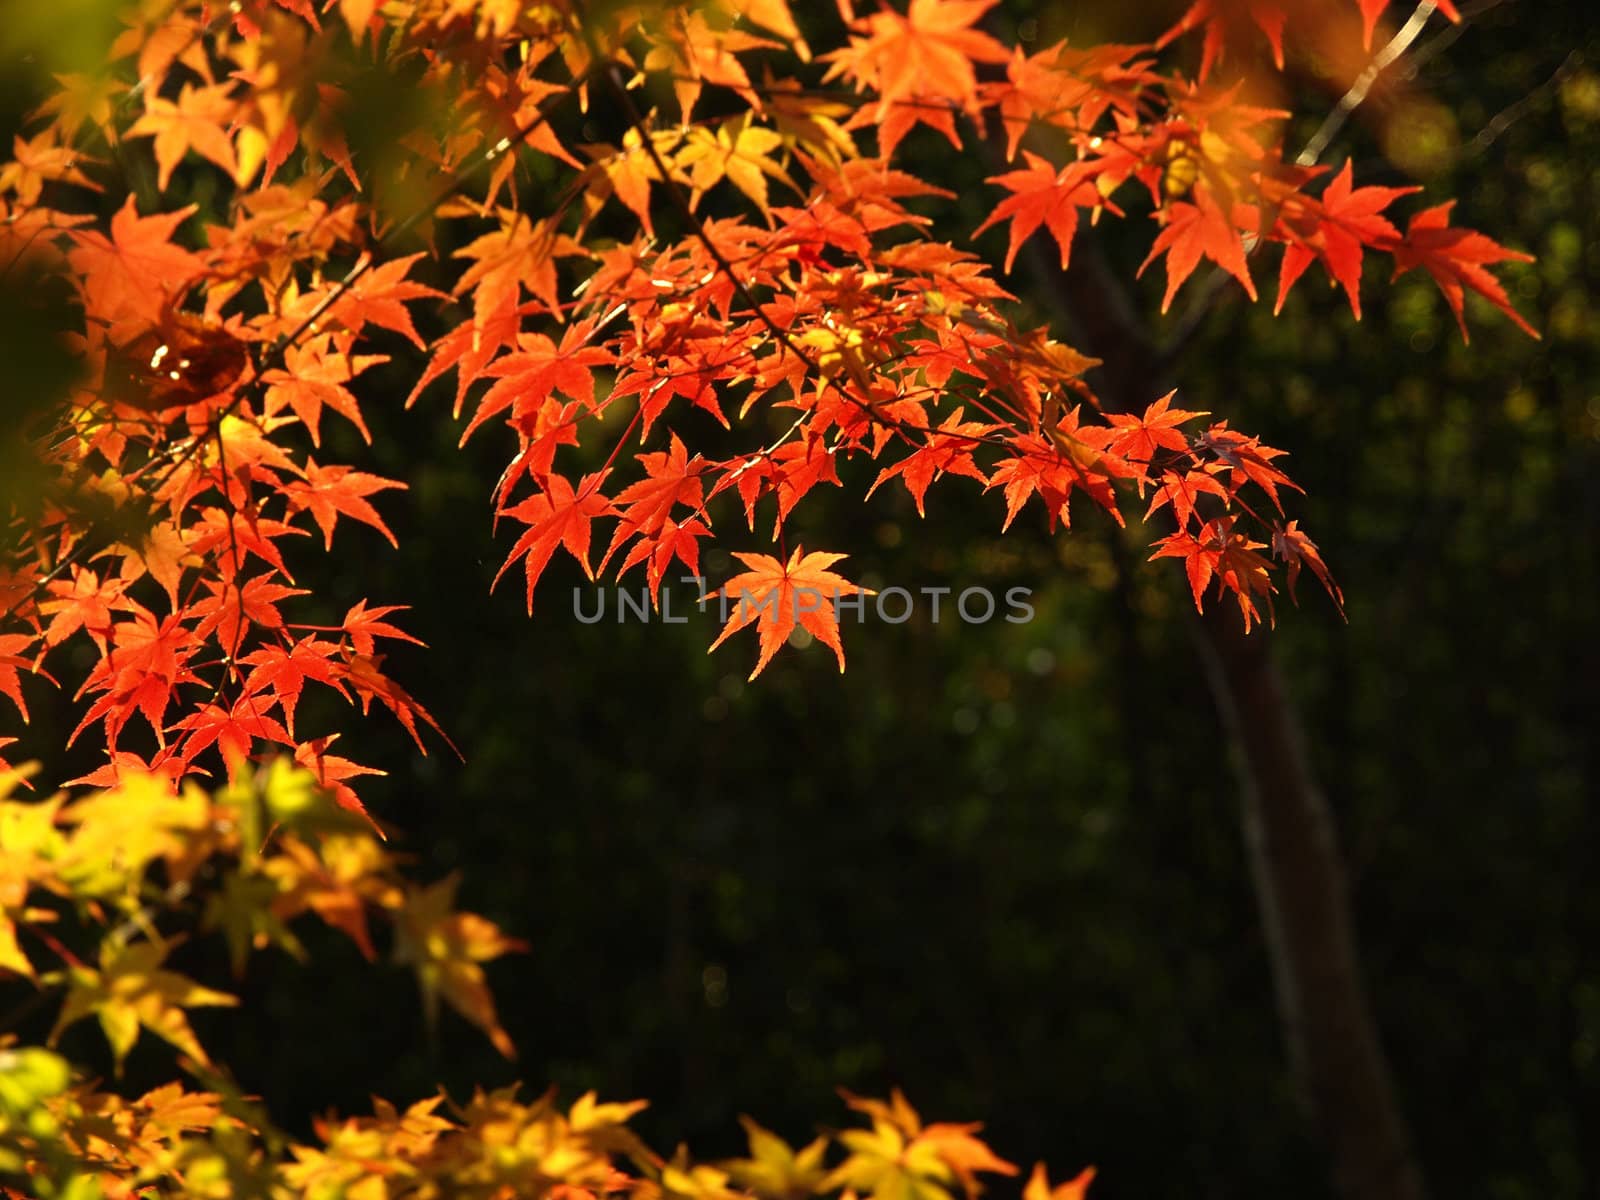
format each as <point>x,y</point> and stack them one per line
<point>1511,114</point>
<point>1353,98</point>
<point>1441,42</point>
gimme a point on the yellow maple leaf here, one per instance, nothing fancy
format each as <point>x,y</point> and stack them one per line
<point>445,948</point>
<point>117,834</point>
<point>900,1159</point>
<point>738,151</point>
<point>196,121</point>
<point>695,1181</point>
<point>1076,1188</point>
<point>130,991</point>
<point>775,1170</point>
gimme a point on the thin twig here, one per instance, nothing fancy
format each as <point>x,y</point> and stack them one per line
<point>1352,99</point>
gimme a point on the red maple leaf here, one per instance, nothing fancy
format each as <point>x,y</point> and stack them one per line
<point>673,478</point>
<point>1346,219</point>
<point>539,367</point>
<point>327,492</point>
<point>1457,259</point>
<point>283,670</point>
<point>1184,491</point>
<point>1196,231</point>
<point>1044,196</point>
<point>948,452</point>
<point>557,516</point>
<point>234,730</point>
<point>1139,437</point>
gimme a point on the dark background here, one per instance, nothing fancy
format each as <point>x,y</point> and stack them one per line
<point>1000,865</point>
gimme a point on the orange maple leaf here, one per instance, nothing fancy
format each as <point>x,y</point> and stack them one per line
<point>925,54</point>
<point>137,270</point>
<point>559,515</point>
<point>1457,259</point>
<point>777,595</point>
<point>193,122</point>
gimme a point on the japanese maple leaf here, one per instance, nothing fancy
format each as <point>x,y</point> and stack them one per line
<point>521,253</point>
<point>1184,491</point>
<point>238,535</point>
<point>948,451</point>
<point>899,1156</point>
<point>469,347</point>
<point>695,53</point>
<point>364,673</point>
<point>282,671</point>
<point>775,1168</point>
<point>332,771</point>
<point>1043,196</point>
<point>738,152</point>
<point>1248,461</point>
<point>1218,553</point>
<point>789,472</point>
<point>328,492</point>
<point>378,297</point>
<point>312,377</point>
<point>1457,259</point>
<point>136,272</point>
<point>1347,219</point>
<point>149,660</point>
<point>627,173</point>
<point>1195,231</point>
<point>1076,1188</point>
<point>778,594</point>
<point>537,368</point>
<point>362,625</point>
<point>83,602</point>
<point>1137,438</point>
<point>234,730</point>
<point>674,539</point>
<point>673,478</point>
<point>1222,19</point>
<point>232,607</point>
<point>447,949</point>
<point>1297,550</point>
<point>39,160</point>
<point>10,660</point>
<point>131,990</point>
<point>1042,467</point>
<point>163,553</point>
<point>195,121</point>
<point>927,53</point>
<point>556,516</point>
<point>1371,10</point>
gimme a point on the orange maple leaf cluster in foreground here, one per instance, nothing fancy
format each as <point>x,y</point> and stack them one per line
<point>651,308</point>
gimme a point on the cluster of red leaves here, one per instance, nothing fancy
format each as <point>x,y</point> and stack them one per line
<point>811,320</point>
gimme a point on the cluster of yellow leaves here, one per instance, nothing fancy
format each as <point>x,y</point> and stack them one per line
<point>259,853</point>
<point>247,860</point>
<point>71,1141</point>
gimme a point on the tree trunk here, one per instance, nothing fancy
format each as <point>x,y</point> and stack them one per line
<point>1333,1045</point>
<point>1334,1052</point>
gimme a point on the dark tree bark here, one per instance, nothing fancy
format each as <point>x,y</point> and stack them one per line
<point>1334,1051</point>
